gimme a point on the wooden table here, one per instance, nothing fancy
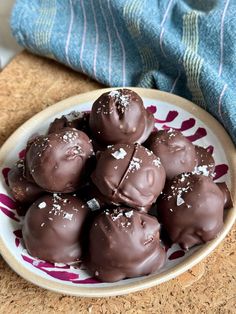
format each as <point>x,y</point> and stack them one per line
<point>28,85</point>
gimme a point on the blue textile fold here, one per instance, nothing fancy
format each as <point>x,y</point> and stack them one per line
<point>185,47</point>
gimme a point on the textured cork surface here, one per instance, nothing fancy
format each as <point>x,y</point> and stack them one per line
<point>30,84</point>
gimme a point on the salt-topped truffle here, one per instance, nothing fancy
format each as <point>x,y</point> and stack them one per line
<point>22,190</point>
<point>57,162</point>
<point>124,243</point>
<point>130,175</point>
<point>119,116</point>
<point>53,228</point>
<point>205,162</point>
<point>176,152</point>
<point>191,209</point>
<point>74,119</point>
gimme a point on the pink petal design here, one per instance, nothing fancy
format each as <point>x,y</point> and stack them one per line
<point>200,133</point>
<point>17,242</point>
<point>87,281</point>
<point>42,264</point>
<point>61,275</point>
<point>210,149</point>
<point>169,118</point>
<point>5,172</point>
<point>152,109</point>
<point>176,254</point>
<point>220,170</point>
<point>18,233</point>
<point>186,125</point>
<point>7,201</point>
<point>22,153</point>
<point>9,214</point>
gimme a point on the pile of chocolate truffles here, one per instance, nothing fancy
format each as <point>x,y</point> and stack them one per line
<point>97,187</point>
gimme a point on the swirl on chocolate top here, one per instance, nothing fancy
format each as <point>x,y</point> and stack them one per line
<point>120,117</point>
<point>191,209</point>
<point>130,175</point>
<point>176,152</point>
<point>53,226</point>
<point>57,162</point>
<point>124,243</point>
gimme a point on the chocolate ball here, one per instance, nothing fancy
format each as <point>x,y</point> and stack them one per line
<point>57,162</point>
<point>191,209</point>
<point>53,228</point>
<point>124,243</point>
<point>176,152</point>
<point>22,190</point>
<point>119,116</point>
<point>130,175</point>
<point>205,162</point>
<point>76,120</point>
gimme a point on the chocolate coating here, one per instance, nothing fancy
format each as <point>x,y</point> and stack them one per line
<point>57,162</point>
<point>53,226</point>
<point>76,120</point>
<point>191,209</point>
<point>124,243</point>
<point>120,117</point>
<point>22,190</point>
<point>205,161</point>
<point>130,175</point>
<point>93,197</point>
<point>228,203</point>
<point>176,152</point>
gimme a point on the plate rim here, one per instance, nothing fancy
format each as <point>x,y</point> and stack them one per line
<point>145,282</point>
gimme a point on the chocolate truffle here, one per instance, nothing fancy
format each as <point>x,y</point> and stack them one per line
<point>57,162</point>
<point>191,209</point>
<point>124,243</point>
<point>53,228</point>
<point>77,120</point>
<point>119,116</point>
<point>205,162</point>
<point>22,190</point>
<point>176,152</point>
<point>130,175</point>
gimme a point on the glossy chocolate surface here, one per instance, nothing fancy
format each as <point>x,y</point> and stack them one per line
<point>228,203</point>
<point>76,120</point>
<point>130,175</point>
<point>124,243</point>
<point>53,226</point>
<point>57,162</point>
<point>205,162</point>
<point>22,190</point>
<point>176,152</point>
<point>191,209</point>
<point>119,116</point>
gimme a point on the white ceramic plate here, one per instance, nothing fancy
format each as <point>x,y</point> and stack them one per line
<point>170,111</point>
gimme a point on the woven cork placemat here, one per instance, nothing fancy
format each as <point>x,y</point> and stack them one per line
<point>28,85</point>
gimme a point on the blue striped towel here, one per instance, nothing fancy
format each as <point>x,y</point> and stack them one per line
<point>186,47</point>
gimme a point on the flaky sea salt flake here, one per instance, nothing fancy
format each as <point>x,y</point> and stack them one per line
<point>119,154</point>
